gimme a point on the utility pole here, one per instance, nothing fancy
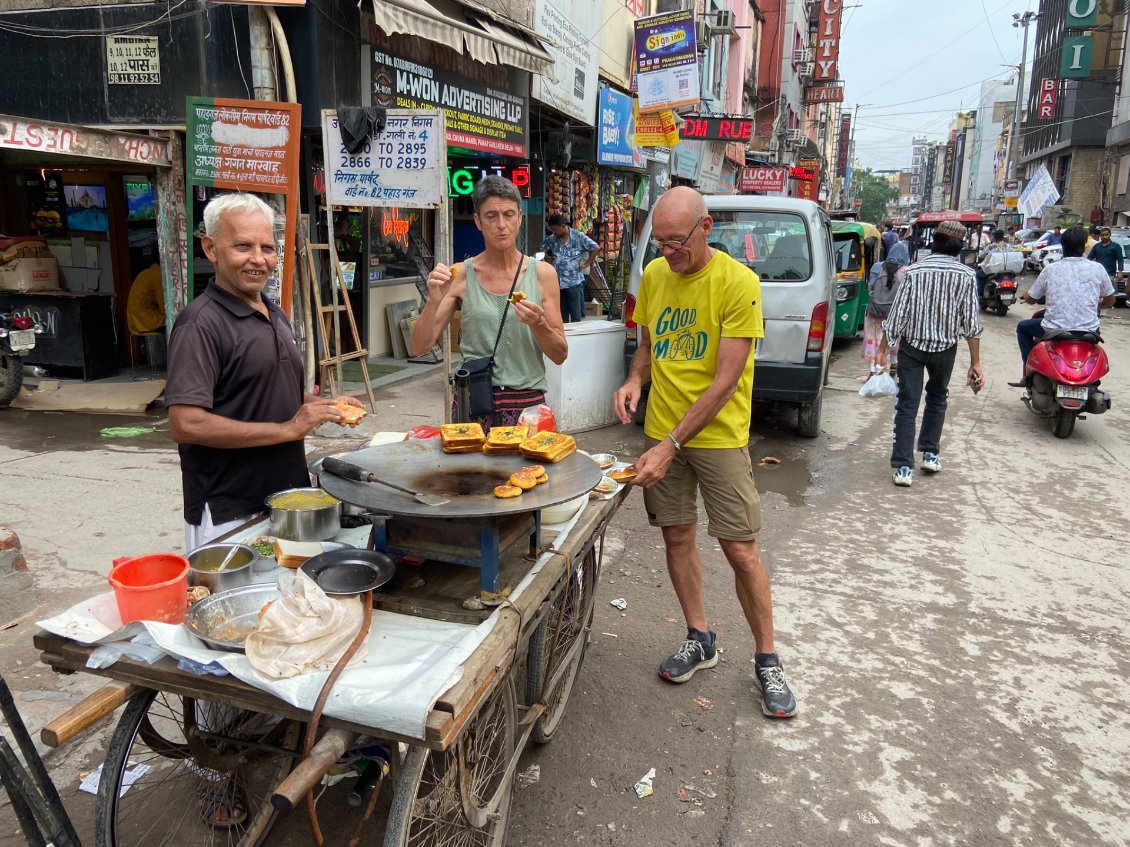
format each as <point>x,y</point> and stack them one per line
<point>1018,20</point>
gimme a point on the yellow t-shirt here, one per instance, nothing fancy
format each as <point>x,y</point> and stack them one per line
<point>686,316</point>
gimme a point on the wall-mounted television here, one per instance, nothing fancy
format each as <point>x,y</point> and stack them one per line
<point>86,208</point>
<point>141,200</point>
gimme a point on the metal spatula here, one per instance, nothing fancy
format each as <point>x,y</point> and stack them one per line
<point>348,470</point>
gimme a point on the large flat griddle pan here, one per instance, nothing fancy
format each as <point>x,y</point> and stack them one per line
<point>467,479</point>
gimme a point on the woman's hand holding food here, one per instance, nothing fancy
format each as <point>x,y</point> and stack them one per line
<point>531,314</point>
<point>440,280</point>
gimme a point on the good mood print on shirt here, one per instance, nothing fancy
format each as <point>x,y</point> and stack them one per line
<point>676,338</point>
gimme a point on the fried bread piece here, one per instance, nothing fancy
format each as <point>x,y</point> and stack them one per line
<point>517,297</point>
<point>350,415</point>
<point>505,492</point>
<point>524,481</point>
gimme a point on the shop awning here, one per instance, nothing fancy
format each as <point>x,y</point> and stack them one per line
<point>466,27</point>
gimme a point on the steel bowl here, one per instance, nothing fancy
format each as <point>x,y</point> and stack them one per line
<point>314,524</point>
<point>203,562</point>
<point>223,621</point>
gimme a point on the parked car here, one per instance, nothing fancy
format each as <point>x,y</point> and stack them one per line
<point>1025,235</point>
<point>1049,254</point>
<point>788,243</point>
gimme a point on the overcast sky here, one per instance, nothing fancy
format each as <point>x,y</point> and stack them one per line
<point>911,64</point>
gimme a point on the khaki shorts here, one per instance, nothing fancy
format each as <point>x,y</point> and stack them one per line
<point>733,506</point>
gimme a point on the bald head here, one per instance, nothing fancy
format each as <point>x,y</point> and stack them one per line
<point>680,220</point>
<point>681,204</point>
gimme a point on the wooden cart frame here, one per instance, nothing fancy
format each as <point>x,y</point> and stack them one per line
<point>454,786</point>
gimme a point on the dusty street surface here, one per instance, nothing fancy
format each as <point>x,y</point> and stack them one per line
<point>958,649</point>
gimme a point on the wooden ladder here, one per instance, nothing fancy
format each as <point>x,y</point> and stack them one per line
<point>329,326</point>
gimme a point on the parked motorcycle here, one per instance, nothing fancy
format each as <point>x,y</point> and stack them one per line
<point>998,294</point>
<point>1064,370</point>
<point>17,339</point>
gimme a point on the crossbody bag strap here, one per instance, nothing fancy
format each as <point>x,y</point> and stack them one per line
<point>506,308</point>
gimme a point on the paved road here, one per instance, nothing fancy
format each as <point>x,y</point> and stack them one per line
<point>959,649</point>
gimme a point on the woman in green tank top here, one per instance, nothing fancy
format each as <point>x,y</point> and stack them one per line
<point>480,287</point>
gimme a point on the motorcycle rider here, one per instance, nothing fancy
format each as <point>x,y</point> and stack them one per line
<point>1074,288</point>
<point>997,245</point>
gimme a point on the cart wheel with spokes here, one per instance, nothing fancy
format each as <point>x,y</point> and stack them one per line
<point>188,772</point>
<point>433,789</point>
<point>567,623</point>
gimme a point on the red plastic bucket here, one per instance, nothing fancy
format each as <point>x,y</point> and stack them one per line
<point>153,587</point>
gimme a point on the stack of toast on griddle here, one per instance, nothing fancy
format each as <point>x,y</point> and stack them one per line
<point>505,440</point>
<point>462,437</point>
<point>548,447</point>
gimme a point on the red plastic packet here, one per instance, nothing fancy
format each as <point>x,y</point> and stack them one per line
<point>538,419</point>
<point>424,431</point>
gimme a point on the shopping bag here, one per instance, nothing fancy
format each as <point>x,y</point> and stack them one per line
<point>881,384</point>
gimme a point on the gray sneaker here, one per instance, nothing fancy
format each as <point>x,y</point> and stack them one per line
<point>696,653</point>
<point>904,476</point>
<point>931,463</point>
<point>777,701</point>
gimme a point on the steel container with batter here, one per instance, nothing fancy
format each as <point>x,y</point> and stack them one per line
<point>313,524</point>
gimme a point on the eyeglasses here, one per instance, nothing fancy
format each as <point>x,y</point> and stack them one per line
<point>674,244</point>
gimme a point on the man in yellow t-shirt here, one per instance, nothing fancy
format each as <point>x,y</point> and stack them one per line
<point>699,312</point>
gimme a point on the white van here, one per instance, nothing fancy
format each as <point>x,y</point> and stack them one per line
<point>788,244</point>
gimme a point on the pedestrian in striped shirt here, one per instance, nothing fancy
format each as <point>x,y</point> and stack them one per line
<point>934,308</point>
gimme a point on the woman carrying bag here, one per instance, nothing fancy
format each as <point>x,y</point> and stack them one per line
<point>502,342</point>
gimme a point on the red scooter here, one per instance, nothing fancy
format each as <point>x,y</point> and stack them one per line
<point>1064,370</point>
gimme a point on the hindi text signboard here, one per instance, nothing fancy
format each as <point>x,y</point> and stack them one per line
<point>401,166</point>
<point>247,145</point>
<point>133,60</point>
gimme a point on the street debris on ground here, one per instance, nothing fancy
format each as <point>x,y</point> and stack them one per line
<point>644,787</point>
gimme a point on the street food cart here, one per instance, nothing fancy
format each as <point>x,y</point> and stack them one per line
<point>188,742</point>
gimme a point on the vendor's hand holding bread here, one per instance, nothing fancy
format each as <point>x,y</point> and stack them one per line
<point>350,409</point>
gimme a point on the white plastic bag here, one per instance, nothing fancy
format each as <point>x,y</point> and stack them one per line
<point>304,630</point>
<point>881,384</point>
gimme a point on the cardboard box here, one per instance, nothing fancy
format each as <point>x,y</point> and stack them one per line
<point>30,275</point>
<point>594,310</point>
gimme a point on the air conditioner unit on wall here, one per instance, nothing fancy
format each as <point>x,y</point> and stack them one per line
<point>702,33</point>
<point>802,56</point>
<point>806,70</point>
<point>793,136</point>
<point>721,21</point>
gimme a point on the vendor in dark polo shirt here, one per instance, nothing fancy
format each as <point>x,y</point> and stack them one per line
<point>236,404</point>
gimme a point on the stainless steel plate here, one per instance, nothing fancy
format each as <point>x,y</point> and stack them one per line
<point>349,571</point>
<point>225,619</point>
<point>468,479</point>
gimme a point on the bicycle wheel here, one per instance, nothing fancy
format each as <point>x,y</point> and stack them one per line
<point>191,773</point>
<point>427,805</point>
<point>569,619</point>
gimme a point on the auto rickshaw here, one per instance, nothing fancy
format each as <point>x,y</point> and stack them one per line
<point>923,233</point>
<point>857,247</point>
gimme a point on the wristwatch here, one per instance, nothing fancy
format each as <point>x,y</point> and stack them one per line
<point>671,438</point>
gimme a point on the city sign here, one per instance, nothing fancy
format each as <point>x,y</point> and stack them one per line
<point>828,41</point>
<point>1082,13</point>
<point>803,173</point>
<point>1075,58</point>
